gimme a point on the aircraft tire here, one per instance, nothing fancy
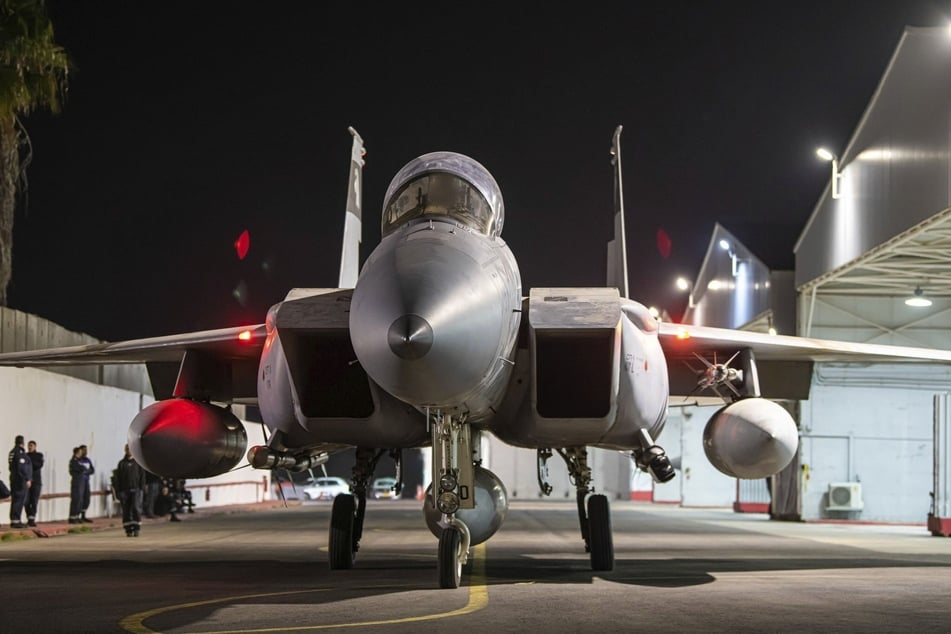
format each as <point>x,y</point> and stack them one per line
<point>600,538</point>
<point>340,546</point>
<point>450,566</point>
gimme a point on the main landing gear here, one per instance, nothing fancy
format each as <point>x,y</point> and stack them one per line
<point>595,520</point>
<point>349,509</point>
<point>453,489</point>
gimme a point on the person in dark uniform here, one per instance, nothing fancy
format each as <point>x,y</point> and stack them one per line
<point>87,493</point>
<point>21,478</point>
<point>153,484</point>
<point>77,472</point>
<point>129,481</point>
<point>33,495</point>
<point>168,501</point>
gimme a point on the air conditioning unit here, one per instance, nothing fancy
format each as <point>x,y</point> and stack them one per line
<point>845,496</point>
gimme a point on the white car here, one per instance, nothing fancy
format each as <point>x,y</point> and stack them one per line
<point>384,489</point>
<point>325,488</point>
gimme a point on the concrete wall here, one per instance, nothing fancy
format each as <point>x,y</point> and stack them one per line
<point>60,412</point>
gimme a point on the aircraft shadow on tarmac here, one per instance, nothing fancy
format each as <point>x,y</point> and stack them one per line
<point>674,573</point>
<point>376,576</point>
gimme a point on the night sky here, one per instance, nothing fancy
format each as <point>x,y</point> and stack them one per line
<point>186,124</point>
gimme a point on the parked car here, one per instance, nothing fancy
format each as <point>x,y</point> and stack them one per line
<point>383,489</point>
<point>325,488</point>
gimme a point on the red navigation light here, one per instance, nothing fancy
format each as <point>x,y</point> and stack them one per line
<point>245,335</point>
<point>242,244</point>
<point>664,243</point>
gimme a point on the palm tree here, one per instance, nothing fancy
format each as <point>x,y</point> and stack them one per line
<point>33,74</point>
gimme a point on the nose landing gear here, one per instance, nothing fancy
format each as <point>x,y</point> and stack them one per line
<point>454,489</point>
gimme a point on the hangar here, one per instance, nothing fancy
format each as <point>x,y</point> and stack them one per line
<point>872,265</point>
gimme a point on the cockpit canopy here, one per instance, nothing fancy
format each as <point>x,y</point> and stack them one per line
<point>445,184</point>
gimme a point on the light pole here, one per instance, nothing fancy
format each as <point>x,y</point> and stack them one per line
<point>826,155</point>
<point>683,284</point>
<point>734,261</point>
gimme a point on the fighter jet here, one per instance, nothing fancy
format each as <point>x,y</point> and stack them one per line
<point>435,343</point>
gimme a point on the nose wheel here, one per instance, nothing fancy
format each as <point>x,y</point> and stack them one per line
<point>453,554</point>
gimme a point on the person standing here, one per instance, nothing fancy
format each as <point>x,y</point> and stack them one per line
<point>152,485</point>
<point>77,472</point>
<point>21,478</point>
<point>33,494</point>
<point>129,482</point>
<point>88,470</point>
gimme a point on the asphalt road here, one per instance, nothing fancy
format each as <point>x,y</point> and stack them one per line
<point>677,570</point>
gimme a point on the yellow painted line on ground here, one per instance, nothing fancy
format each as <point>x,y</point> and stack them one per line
<point>478,599</point>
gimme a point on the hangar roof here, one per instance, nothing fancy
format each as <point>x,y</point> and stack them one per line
<point>889,230</point>
<point>918,257</point>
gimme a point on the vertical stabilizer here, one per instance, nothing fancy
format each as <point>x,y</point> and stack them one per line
<point>617,248</point>
<point>353,224</point>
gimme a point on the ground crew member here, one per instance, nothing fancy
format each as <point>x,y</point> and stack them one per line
<point>33,495</point>
<point>78,481</point>
<point>21,477</point>
<point>89,470</point>
<point>128,482</point>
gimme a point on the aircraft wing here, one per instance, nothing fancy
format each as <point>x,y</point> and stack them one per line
<point>238,343</point>
<point>229,356</point>
<point>784,363</point>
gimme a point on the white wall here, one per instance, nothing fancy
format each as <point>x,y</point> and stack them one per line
<point>871,425</point>
<point>61,412</point>
<point>517,468</point>
<point>700,482</point>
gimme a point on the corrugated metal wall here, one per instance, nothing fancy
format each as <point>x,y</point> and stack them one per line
<point>20,331</point>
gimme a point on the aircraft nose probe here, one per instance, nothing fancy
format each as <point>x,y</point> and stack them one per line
<point>410,337</point>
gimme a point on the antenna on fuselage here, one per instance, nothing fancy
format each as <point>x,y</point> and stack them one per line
<point>617,248</point>
<point>353,223</point>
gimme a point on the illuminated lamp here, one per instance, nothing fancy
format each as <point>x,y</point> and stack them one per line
<point>826,155</point>
<point>918,299</point>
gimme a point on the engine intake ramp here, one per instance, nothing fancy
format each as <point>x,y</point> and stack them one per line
<point>574,335</point>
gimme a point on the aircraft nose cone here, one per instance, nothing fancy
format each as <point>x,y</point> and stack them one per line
<point>410,337</point>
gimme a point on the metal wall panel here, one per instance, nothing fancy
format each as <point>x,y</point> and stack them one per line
<point>21,331</point>
<point>896,170</point>
<point>7,329</point>
<point>733,285</point>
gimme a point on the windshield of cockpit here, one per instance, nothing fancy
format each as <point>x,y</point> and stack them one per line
<point>439,194</point>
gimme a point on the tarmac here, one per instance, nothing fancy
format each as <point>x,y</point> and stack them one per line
<point>263,568</point>
<point>57,528</point>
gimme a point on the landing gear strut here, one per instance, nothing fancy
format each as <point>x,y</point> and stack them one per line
<point>349,510</point>
<point>596,522</point>
<point>453,489</point>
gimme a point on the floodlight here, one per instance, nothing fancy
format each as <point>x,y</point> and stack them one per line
<point>826,155</point>
<point>918,299</point>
